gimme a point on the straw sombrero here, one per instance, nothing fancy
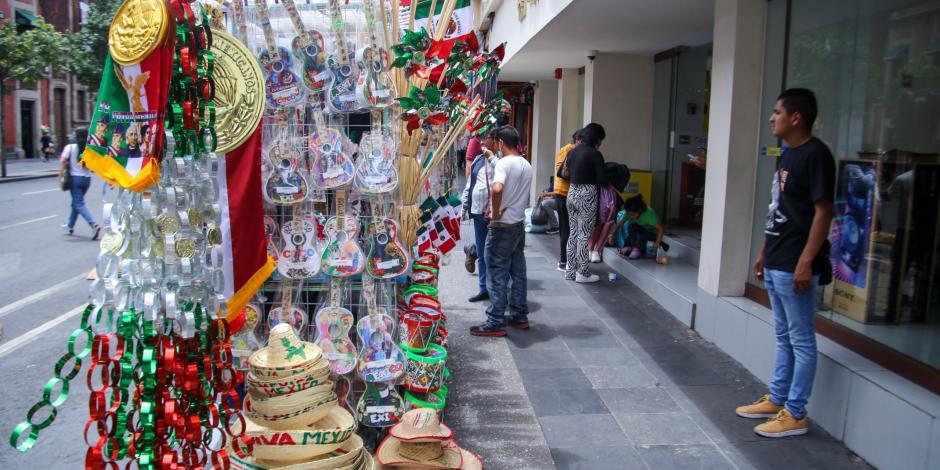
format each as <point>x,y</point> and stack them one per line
<point>348,454</point>
<point>285,353</point>
<point>435,454</point>
<point>303,414</point>
<point>421,425</point>
<point>471,461</point>
<point>259,387</point>
<point>302,443</point>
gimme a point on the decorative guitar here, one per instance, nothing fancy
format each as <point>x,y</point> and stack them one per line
<point>341,94</point>
<point>380,359</point>
<point>380,363</point>
<point>287,313</point>
<point>387,258</point>
<point>245,342</point>
<point>270,231</point>
<point>308,46</point>
<point>333,325</point>
<point>343,256</point>
<point>374,87</point>
<point>282,86</point>
<point>300,259</point>
<point>375,168</point>
<point>332,168</point>
<point>286,184</point>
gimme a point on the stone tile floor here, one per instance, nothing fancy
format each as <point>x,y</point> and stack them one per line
<point>604,379</point>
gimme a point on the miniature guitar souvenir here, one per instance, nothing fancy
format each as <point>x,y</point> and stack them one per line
<point>282,86</point>
<point>375,168</point>
<point>287,313</point>
<point>341,94</point>
<point>308,46</point>
<point>270,232</point>
<point>374,87</point>
<point>343,256</point>
<point>387,257</point>
<point>380,405</point>
<point>344,393</point>
<point>286,184</point>
<point>331,168</point>
<point>333,325</point>
<point>380,359</point>
<point>300,259</point>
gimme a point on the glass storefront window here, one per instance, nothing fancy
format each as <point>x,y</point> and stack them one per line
<point>875,69</point>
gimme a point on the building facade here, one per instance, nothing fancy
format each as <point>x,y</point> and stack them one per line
<point>674,80</point>
<point>57,101</point>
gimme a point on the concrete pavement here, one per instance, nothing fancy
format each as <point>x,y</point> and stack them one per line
<point>30,168</point>
<point>612,381</point>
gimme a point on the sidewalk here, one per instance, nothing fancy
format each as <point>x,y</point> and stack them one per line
<point>29,168</point>
<point>605,379</point>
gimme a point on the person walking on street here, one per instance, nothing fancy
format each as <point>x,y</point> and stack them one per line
<point>80,181</point>
<point>46,144</point>
<point>505,241</point>
<point>587,173</point>
<point>561,200</point>
<point>476,199</point>
<point>793,260</point>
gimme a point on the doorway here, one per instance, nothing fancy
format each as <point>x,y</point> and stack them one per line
<point>27,131</point>
<point>61,128</point>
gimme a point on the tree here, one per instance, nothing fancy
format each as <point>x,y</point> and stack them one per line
<point>26,57</point>
<point>89,46</point>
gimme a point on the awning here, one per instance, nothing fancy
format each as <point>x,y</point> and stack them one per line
<point>24,20</point>
<point>897,52</point>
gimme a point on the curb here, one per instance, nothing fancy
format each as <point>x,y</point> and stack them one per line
<point>13,179</point>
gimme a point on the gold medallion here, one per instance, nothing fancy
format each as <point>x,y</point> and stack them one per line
<point>195,217</point>
<point>213,236</point>
<point>139,26</point>
<point>239,91</point>
<point>185,248</point>
<point>169,224</point>
<point>111,243</point>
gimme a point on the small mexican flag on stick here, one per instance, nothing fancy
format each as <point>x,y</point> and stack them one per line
<point>459,23</point>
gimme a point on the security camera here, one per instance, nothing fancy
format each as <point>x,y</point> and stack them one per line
<point>591,54</point>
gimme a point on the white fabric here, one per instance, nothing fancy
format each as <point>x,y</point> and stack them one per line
<point>480,199</point>
<point>515,173</point>
<point>70,152</point>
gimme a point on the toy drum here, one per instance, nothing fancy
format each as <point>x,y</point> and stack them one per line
<point>416,329</point>
<point>425,372</point>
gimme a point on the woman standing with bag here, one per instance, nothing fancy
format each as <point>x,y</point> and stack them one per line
<point>76,179</point>
<point>586,173</point>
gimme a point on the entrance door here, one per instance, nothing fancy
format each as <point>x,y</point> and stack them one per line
<point>27,134</point>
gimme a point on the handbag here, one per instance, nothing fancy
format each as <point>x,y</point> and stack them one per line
<point>563,171</point>
<point>65,182</point>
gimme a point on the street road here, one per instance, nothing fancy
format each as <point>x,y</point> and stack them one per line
<point>42,280</point>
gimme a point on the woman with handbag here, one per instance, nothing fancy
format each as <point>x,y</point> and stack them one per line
<point>75,178</point>
<point>587,174</point>
<point>560,188</point>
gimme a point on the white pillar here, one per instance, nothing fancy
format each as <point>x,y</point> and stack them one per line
<point>618,94</point>
<point>733,131</point>
<point>544,128</point>
<point>569,102</point>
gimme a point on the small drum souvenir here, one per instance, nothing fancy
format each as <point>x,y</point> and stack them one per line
<point>416,328</point>
<point>425,373</point>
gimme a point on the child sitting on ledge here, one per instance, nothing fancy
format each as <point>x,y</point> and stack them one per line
<point>642,225</point>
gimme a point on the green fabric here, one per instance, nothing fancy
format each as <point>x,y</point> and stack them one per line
<point>648,219</point>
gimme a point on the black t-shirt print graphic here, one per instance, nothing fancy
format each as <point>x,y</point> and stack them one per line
<point>804,175</point>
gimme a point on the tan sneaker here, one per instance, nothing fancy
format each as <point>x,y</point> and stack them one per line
<point>783,425</point>
<point>763,408</point>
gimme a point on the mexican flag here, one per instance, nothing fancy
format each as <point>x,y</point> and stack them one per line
<point>242,207</point>
<point>460,23</point>
<point>125,139</point>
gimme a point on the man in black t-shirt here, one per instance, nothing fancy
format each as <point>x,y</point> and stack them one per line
<point>793,260</point>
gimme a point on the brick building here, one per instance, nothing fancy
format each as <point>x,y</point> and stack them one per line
<point>57,101</point>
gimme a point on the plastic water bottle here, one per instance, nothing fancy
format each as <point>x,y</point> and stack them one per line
<point>612,277</point>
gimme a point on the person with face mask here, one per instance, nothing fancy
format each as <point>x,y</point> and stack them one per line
<point>505,241</point>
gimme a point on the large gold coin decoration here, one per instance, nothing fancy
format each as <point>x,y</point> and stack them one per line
<point>139,26</point>
<point>239,91</point>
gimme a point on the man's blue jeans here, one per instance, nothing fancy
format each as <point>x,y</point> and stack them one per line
<point>480,229</point>
<point>506,271</point>
<point>795,365</point>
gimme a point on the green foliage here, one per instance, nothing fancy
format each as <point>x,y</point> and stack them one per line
<point>89,47</point>
<point>26,55</point>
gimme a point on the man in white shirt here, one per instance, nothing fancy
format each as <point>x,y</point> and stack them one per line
<point>505,242</point>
